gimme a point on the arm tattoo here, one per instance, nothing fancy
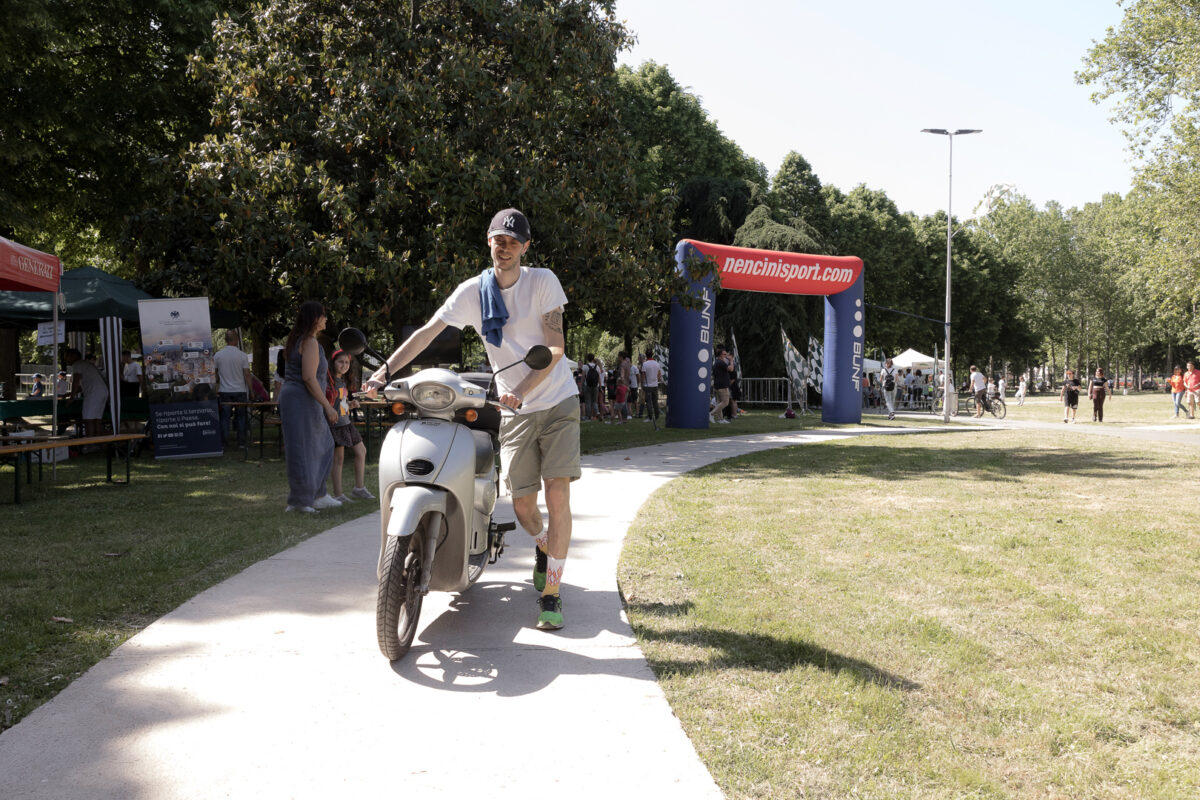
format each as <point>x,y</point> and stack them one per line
<point>553,320</point>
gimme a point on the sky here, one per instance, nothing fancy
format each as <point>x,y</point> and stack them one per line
<point>849,85</point>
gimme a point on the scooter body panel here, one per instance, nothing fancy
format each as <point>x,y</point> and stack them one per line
<point>432,455</point>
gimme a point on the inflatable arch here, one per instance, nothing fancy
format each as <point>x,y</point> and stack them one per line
<point>838,278</point>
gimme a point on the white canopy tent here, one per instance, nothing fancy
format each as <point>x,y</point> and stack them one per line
<point>911,359</point>
<point>871,365</point>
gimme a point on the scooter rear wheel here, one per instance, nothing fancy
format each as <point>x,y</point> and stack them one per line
<point>399,602</point>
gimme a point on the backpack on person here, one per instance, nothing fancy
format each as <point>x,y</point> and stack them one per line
<point>889,382</point>
<point>592,378</point>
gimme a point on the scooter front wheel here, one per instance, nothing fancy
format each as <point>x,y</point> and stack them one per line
<point>399,603</point>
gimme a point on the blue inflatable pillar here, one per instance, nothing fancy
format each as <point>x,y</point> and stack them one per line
<point>689,373</point>
<point>841,395</point>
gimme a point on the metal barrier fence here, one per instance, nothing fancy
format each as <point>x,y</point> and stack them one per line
<point>766,391</point>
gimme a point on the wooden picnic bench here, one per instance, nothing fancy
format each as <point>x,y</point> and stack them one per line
<point>23,451</point>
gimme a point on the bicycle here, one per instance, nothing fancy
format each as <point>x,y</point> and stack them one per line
<point>937,407</point>
<point>999,408</point>
<point>996,406</point>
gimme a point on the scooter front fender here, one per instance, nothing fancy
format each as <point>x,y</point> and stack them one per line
<point>407,505</point>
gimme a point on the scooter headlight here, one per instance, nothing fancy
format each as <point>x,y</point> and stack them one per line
<point>433,396</point>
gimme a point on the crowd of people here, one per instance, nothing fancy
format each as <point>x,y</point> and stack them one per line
<point>892,388</point>
<point>628,391</point>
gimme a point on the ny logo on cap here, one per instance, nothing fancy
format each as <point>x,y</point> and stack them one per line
<point>510,222</point>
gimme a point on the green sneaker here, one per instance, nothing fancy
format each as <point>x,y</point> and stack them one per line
<point>539,568</point>
<point>551,618</point>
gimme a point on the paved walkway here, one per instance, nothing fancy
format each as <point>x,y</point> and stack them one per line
<point>270,684</point>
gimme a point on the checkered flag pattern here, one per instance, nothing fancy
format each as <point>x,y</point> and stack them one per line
<point>737,360</point>
<point>661,354</point>
<point>816,358</point>
<point>797,368</point>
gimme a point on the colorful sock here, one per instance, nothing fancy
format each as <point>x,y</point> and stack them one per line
<point>542,540</point>
<point>554,570</point>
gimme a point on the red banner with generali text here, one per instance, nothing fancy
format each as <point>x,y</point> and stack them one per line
<point>782,273</point>
<point>23,269</point>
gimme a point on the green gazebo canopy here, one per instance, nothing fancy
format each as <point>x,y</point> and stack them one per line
<point>90,294</point>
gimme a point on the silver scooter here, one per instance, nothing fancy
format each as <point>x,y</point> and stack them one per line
<point>438,483</point>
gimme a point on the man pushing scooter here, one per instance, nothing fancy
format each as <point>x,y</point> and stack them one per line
<point>514,308</point>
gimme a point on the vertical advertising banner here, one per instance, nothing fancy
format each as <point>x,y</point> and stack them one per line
<point>177,358</point>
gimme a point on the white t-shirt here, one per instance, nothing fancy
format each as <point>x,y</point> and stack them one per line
<point>131,372</point>
<point>653,372</point>
<point>1001,385</point>
<point>978,382</point>
<point>230,362</point>
<point>91,382</point>
<point>633,375</point>
<point>536,292</point>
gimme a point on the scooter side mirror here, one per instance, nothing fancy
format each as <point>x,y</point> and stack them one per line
<point>352,341</point>
<point>538,357</point>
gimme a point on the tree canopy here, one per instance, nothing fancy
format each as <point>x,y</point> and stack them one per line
<point>356,157</point>
<point>1149,66</point>
<point>90,93</point>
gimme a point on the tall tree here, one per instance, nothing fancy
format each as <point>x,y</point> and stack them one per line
<point>91,92</point>
<point>797,193</point>
<point>1149,65</point>
<point>357,155</point>
<point>672,137</point>
<point>866,223</point>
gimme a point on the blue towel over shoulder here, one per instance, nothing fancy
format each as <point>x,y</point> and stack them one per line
<point>491,304</point>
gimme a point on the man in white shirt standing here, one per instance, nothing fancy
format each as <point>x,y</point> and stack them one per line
<point>233,386</point>
<point>979,389</point>
<point>539,444</point>
<point>131,375</point>
<point>651,375</point>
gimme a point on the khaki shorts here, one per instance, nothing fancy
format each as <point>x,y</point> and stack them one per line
<point>1191,396</point>
<point>538,446</point>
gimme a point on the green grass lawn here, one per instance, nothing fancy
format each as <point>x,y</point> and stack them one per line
<point>87,564</point>
<point>1007,614</point>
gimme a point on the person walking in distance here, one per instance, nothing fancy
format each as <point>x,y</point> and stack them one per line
<point>1191,385</point>
<point>722,368</point>
<point>1097,390</point>
<point>591,385</point>
<point>887,377</point>
<point>1070,396</point>
<point>1177,390</point>
<point>1020,396</point>
<point>515,307</point>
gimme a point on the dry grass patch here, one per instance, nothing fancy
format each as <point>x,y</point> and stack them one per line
<point>993,614</point>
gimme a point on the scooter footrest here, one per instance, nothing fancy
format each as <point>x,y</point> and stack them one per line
<point>504,527</point>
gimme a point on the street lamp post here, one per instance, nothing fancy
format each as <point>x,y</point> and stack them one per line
<point>946,387</point>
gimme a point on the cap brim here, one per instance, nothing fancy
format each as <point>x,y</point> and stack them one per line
<point>506,232</point>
